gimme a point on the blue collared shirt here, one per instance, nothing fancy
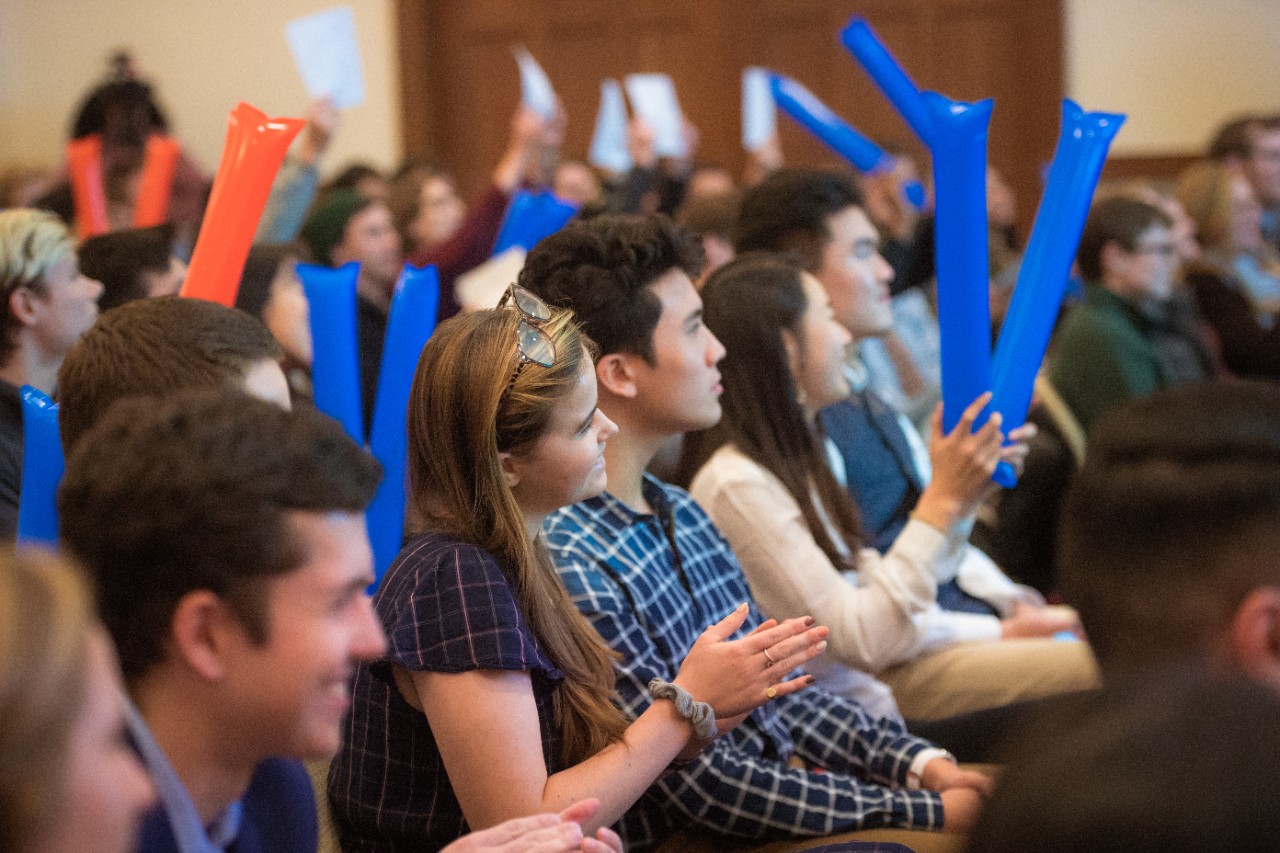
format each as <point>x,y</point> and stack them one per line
<point>191,835</point>
<point>651,583</point>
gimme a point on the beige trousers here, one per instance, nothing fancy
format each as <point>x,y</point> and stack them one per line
<point>972,676</point>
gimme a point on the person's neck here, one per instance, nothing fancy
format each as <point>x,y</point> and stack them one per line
<point>204,755</point>
<point>28,366</point>
<point>533,522</point>
<point>375,292</point>
<point>626,457</point>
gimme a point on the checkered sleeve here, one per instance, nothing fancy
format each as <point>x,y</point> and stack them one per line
<point>737,786</point>
<point>605,606</point>
<point>838,734</point>
<point>736,791</point>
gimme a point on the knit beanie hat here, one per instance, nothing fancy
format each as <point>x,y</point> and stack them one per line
<point>328,220</point>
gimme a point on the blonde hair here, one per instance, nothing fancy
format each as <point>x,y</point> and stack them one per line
<point>1205,191</point>
<point>31,242</point>
<point>471,400</point>
<point>46,616</point>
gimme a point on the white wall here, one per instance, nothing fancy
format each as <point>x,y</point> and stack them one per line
<point>1179,68</point>
<point>203,55</point>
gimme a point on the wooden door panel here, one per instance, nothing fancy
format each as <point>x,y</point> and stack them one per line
<point>460,110</point>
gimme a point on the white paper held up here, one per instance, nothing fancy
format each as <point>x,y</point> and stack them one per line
<point>653,97</point>
<point>609,141</point>
<point>327,54</point>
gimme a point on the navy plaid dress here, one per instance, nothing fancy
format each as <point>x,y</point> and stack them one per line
<point>446,606</point>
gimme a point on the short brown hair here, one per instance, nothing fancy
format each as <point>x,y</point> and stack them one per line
<point>1119,219</point>
<point>151,347</point>
<point>1172,520</point>
<point>193,491</point>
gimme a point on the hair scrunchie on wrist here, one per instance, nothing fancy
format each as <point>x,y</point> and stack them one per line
<point>699,714</point>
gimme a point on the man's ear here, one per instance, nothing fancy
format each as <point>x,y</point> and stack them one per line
<point>1113,257</point>
<point>616,374</point>
<point>22,305</point>
<point>200,633</point>
<point>510,469</point>
<point>1255,635</point>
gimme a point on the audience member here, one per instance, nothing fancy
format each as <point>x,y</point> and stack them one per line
<point>363,178</point>
<point>154,347</point>
<point>877,454</point>
<point>576,182</point>
<point>435,225</point>
<point>48,305</point>
<point>345,226</point>
<point>1127,339</point>
<point>763,477</point>
<point>271,292</point>
<point>648,568</point>
<point>1251,146</point>
<point>712,218</point>
<point>1167,543</point>
<point>1168,532</point>
<point>1142,773</point>
<point>1237,281</point>
<point>227,541</point>
<point>70,782</point>
<point>124,114</point>
<point>504,429</point>
<point>132,263</point>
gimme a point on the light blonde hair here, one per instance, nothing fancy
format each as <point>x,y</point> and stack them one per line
<point>46,616</point>
<point>472,400</point>
<point>31,242</point>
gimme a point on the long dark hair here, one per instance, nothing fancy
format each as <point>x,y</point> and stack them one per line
<point>748,304</point>
<point>464,409</point>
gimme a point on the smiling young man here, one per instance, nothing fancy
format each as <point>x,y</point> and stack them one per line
<point>227,541</point>
<point>649,569</point>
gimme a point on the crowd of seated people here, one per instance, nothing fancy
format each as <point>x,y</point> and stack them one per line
<point>680,571</point>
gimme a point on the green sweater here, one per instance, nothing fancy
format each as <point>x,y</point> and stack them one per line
<point>1105,355</point>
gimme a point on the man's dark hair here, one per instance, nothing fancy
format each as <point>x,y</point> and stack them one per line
<point>152,347</point>
<point>119,258</point>
<point>788,212</point>
<point>189,492</point>
<point>601,269</point>
<point>1234,140</point>
<point>1119,220</point>
<point>1185,762</point>
<point>1172,521</point>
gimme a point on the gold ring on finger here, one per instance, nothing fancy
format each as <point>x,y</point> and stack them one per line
<point>769,658</point>
<point>771,692</point>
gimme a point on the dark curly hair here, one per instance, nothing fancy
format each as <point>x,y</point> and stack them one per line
<point>601,269</point>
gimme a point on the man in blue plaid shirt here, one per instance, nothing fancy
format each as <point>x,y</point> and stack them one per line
<point>645,564</point>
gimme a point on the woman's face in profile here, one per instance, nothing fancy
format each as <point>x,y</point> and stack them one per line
<point>105,790</point>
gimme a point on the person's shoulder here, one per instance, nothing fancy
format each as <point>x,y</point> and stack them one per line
<point>279,809</point>
<point>727,466</point>
<point>435,550</point>
<point>430,563</point>
<point>586,523</point>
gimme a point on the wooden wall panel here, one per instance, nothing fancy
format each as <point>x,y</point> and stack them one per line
<point>1007,49</point>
